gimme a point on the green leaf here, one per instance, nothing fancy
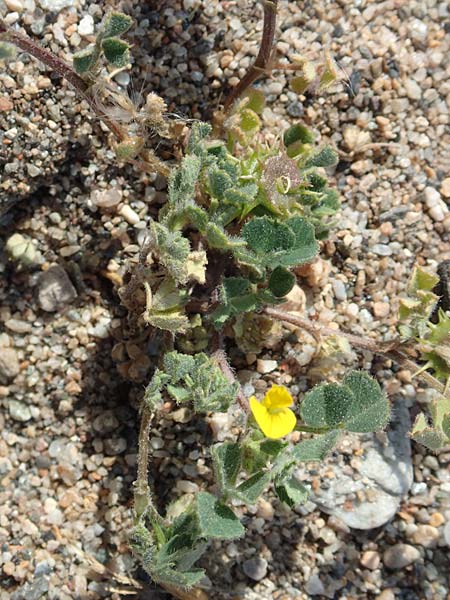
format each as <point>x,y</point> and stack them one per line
<point>432,438</point>
<point>421,280</point>
<point>256,100</point>
<point>358,405</point>
<point>446,425</point>
<point>196,144</point>
<point>316,448</point>
<point>117,52</point>
<point>281,282</point>
<point>115,24</point>
<point>227,463</point>
<point>325,157</point>
<point>86,59</point>
<point>273,447</point>
<point>250,122</point>
<point>250,490</point>
<point>264,235</point>
<point>291,491</point>
<point>219,182</point>
<point>298,133</point>
<point>305,246</point>
<point>182,181</point>
<point>326,405</point>
<point>217,520</point>
<point>370,410</point>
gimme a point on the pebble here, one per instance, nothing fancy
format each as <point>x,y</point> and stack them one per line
<point>9,364</point>
<point>413,90</point>
<point>129,214</point>
<point>255,568</point>
<point>426,535</point>
<point>399,556</point>
<point>447,533</point>
<point>16,5</point>
<point>340,292</point>
<point>106,198</point>
<point>381,309</point>
<point>445,187</point>
<point>266,366</point>
<point>86,26</point>
<point>314,586</point>
<point>55,5</point>
<point>54,289</point>
<point>370,560</point>
<point>19,411</point>
<point>18,326</point>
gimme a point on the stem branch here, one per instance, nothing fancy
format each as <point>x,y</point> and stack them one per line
<point>391,350</point>
<point>56,64</point>
<point>259,67</point>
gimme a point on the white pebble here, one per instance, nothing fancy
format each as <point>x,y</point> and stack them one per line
<point>129,214</point>
<point>266,366</point>
<point>86,26</point>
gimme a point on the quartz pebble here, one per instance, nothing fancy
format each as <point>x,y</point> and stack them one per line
<point>54,289</point>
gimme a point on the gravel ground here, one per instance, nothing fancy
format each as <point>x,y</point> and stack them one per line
<point>71,373</point>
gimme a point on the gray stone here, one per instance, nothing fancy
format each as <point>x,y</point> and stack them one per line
<point>54,289</point>
<point>19,411</point>
<point>369,495</point>
<point>447,533</point>
<point>34,590</point>
<point>9,364</point>
<point>314,587</point>
<point>255,568</point>
<point>400,556</point>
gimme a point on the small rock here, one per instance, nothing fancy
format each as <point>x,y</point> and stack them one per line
<point>370,560</point>
<point>266,366</point>
<point>340,292</point>
<point>314,586</point>
<point>265,510</point>
<point>436,520</point>
<point>19,411</point>
<point>381,309</point>
<point>15,5</point>
<point>187,487</point>
<point>413,90</point>
<point>182,415</point>
<point>432,197</point>
<point>447,533</point>
<point>86,26</point>
<point>105,422</point>
<point>445,187</point>
<point>55,5</point>
<point>18,326</point>
<point>106,198</point>
<point>114,446</point>
<point>426,535</point>
<point>54,289</point>
<point>129,214</point>
<point>255,568</point>
<point>386,595</point>
<point>399,556</point>
<point>9,364</point>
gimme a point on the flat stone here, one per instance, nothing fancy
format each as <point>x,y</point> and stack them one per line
<point>426,535</point>
<point>369,495</point>
<point>54,289</point>
<point>370,560</point>
<point>9,364</point>
<point>399,556</point>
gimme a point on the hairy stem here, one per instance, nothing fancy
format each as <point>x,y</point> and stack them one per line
<point>220,358</point>
<point>390,350</point>
<point>142,495</point>
<point>56,64</point>
<point>262,61</point>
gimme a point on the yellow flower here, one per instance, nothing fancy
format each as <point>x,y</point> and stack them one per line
<point>272,414</point>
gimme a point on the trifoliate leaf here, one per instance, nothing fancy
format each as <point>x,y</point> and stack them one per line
<point>370,410</point>
<point>325,157</point>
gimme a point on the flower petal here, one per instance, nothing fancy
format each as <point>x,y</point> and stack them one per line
<point>260,413</point>
<point>278,397</point>
<point>281,423</point>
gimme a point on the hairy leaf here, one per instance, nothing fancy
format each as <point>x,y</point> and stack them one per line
<point>115,24</point>
<point>117,52</point>
<point>227,463</point>
<point>251,489</point>
<point>216,520</point>
<point>290,491</point>
<point>281,282</point>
